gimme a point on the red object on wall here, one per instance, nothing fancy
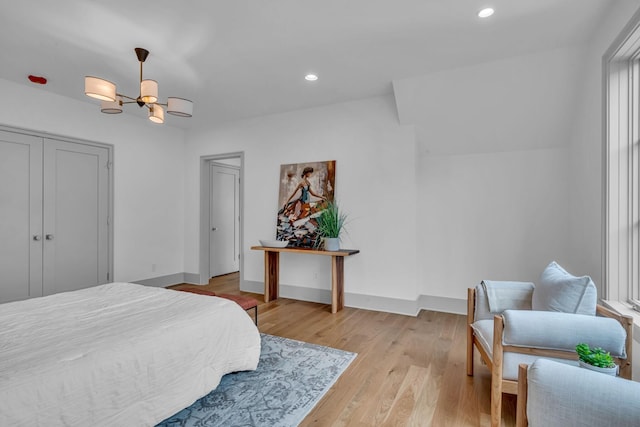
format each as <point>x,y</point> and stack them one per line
<point>37,79</point>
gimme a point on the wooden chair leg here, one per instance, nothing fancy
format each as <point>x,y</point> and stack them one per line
<point>496,372</point>
<point>521,405</point>
<point>471,298</point>
<point>469,351</point>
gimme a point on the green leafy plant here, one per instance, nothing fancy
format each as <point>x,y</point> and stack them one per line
<point>331,221</point>
<point>595,356</point>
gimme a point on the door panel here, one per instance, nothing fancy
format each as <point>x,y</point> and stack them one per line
<point>75,221</point>
<point>224,229</point>
<point>20,216</point>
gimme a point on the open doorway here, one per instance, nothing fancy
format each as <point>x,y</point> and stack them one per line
<point>221,216</point>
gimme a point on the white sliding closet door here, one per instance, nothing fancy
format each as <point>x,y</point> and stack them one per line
<point>76,199</point>
<point>20,216</point>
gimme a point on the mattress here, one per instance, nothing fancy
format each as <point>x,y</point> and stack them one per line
<point>118,354</point>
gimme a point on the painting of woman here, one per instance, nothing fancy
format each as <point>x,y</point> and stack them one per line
<point>303,189</point>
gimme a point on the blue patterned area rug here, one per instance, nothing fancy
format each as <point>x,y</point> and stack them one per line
<point>291,378</point>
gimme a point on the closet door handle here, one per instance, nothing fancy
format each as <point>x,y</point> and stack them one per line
<point>49,237</point>
<point>37,237</point>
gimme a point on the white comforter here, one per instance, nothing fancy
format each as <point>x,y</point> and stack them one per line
<point>117,355</point>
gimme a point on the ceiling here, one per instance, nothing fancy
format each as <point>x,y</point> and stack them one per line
<point>243,58</point>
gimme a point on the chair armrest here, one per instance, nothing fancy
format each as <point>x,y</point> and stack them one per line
<point>562,331</point>
<point>559,394</point>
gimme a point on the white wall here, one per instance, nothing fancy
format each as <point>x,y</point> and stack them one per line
<point>484,193</point>
<point>520,103</point>
<point>375,185</point>
<point>500,216</point>
<point>492,168</point>
<point>491,189</point>
<point>148,167</point>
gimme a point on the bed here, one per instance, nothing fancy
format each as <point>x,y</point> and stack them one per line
<point>118,354</point>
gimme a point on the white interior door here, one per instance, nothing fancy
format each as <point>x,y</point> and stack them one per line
<point>224,220</point>
<point>20,216</point>
<point>75,219</point>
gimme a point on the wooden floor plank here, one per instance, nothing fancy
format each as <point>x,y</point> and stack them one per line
<point>410,371</point>
<point>405,405</point>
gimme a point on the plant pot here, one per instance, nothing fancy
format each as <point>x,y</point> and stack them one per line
<point>609,371</point>
<point>331,244</point>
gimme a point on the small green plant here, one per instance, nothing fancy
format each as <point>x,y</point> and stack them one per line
<point>330,221</point>
<point>594,356</point>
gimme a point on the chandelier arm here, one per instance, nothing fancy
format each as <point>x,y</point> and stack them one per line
<point>125,96</point>
<point>149,106</point>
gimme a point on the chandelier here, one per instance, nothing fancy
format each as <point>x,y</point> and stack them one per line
<point>112,101</point>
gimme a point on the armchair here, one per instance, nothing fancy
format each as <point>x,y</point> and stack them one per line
<point>555,395</point>
<point>506,338</point>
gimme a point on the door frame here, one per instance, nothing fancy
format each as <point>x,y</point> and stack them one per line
<point>110,180</point>
<point>205,200</point>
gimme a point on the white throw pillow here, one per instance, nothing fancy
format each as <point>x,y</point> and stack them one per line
<point>559,290</point>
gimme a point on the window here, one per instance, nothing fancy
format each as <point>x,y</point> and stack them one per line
<point>622,167</point>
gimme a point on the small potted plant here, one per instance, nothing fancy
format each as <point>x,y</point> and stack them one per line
<point>330,224</point>
<point>596,359</point>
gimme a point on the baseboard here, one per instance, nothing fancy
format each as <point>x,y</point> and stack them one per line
<point>163,281</point>
<point>378,303</point>
<point>366,302</point>
<point>252,286</point>
<point>321,296</point>
<point>444,304</point>
<point>192,278</point>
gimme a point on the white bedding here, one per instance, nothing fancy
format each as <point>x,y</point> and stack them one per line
<point>117,355</point>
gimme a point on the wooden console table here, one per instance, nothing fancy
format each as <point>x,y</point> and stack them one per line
<point>272,271</point>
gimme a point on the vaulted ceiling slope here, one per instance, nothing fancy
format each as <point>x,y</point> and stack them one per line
<point>238,59</point>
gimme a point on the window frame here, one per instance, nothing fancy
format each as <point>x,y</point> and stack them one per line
<point>621,128</point>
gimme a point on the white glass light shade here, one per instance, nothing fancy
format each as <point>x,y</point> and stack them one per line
<point>156,114</point>
<point>180,107</point>
<point>112,107</point>
<point>149,91</point>
<point>99,88</point>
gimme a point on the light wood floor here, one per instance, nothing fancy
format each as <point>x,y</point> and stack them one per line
<point>410,371</point>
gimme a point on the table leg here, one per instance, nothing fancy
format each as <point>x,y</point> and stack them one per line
<point>271,272</point>
<point>337,283</point>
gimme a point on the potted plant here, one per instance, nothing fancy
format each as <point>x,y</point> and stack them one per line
<point>596,359</point>
<point>330,223</point>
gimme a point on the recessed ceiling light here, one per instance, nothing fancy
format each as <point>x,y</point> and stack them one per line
<point>311,77</point>
<point>485,13</point>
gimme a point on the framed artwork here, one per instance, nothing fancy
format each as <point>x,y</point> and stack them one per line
<point>304,189</point>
